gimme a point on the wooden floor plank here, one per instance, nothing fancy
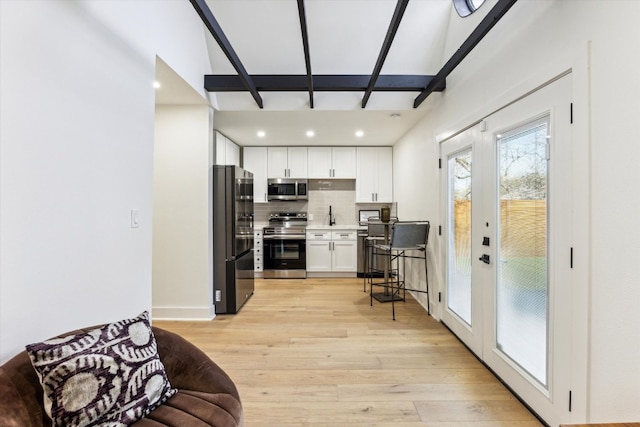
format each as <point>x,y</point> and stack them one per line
<point>314,352</point>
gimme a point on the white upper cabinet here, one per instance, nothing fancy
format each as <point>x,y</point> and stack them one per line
<point>332,162</point>
<point>232,153</point>
<point>255,161</point>
<point>220,143</point>
<point>227,152</point>
<point>374,181</point>
<point>287,162</point>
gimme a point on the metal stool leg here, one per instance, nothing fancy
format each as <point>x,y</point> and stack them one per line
<point>364,272</point>
<point>426,278</point>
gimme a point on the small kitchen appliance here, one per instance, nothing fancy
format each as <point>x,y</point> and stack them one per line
<point>287,189</point>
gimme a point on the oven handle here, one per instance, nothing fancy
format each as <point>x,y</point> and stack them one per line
<point>285,237</point>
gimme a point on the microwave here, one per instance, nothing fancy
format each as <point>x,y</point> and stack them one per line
<point>287,189</point>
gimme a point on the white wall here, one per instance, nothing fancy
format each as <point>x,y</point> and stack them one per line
<point>76,155</point>
<point>534,41</point>
<point>182,265</point>
<point>421,159</point>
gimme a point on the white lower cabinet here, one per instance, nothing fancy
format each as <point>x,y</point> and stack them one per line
<point>319,255</point>
<point>344,255</point>
<point>331,251</point>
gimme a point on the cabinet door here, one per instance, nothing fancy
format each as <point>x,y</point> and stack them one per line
<point>319,160</point>
<point>277,162</point>
<point>255,160</point>
<point>318,255</point>
<point>232,153</point>
<point>297,162</point>
<point>344,162</point>
<point>221,146</point>
<point>344,255</point>
<point>366,179</point>
<point>384,188</point>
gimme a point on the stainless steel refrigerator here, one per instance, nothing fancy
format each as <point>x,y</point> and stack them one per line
<point>232,237</point>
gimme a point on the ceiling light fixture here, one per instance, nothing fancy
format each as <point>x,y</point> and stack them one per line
<point>261,134</point>
<point>156,84</point>
<point>310,134</point>
<point>359,133</point>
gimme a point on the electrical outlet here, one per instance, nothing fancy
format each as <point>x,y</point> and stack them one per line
<point>310,217</point>
<point>218,296</point>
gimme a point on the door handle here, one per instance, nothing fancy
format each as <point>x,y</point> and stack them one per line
<point>485,258</point>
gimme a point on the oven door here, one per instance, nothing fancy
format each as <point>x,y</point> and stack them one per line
<point>284,256</point>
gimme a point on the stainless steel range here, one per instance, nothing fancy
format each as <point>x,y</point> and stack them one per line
<point>285,252</point>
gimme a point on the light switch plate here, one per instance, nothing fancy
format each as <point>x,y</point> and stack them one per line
<point>135,218</point>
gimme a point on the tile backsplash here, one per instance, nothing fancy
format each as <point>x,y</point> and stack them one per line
<point>340,194</point>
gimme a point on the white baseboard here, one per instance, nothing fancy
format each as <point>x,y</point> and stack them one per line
<point>183,313</point>
<point>335,274</point>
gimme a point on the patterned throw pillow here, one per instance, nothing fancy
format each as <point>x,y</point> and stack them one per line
<point>107,376</point>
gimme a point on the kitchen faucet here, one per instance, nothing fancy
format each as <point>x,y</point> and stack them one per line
<point>332,221</point>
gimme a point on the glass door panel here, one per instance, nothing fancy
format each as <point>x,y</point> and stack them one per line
<point>459,241</point>
<point>522,271</point>
<point>463,282</point>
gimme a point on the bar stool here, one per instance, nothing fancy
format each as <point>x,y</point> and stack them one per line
<point>375,235</point>
<point>409,239</point>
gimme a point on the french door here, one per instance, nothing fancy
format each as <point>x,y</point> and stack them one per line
<point>462,201</point>
<point>507,197</point>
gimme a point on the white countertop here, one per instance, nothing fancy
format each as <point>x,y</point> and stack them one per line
<point>333,227</point>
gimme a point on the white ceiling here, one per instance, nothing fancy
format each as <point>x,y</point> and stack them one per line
<point>345,37</point>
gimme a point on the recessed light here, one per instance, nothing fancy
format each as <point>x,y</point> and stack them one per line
<point>261,134</point>
<point>156,84</point>
<point>359,133</point>
<point>310,134</point>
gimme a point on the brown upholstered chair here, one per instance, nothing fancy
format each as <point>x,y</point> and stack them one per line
<point>206,395</point>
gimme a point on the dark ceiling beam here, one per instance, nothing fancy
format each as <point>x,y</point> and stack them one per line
<point>401,6</point>
<point>322,83</point>
<point>487,23</point>
<point>216,31</point>
<point>305,45</point>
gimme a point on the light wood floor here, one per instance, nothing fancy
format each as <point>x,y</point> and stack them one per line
<point>314,353</point>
